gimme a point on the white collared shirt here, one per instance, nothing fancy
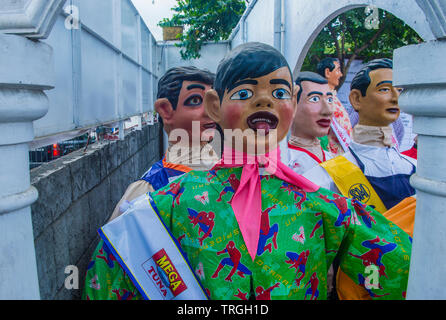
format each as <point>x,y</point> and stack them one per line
<point>302,161</point>
<point>378,162</point>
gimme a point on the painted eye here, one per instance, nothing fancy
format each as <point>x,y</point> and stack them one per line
<point>384,90</point>
<point>330,100</point>
<point>314,99</point>
<point>243,94</point>
<point>281,94</point>
<point>400,90</point>
<point>194,101</point>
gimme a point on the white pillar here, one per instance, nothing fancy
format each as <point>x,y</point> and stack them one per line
<point>421,69</point>
<point>26,69</point>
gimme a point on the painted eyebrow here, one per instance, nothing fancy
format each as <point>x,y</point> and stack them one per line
<point>329,93</point>
<point>280,81</point>
<point>239,83</point>
<point>383,82</point>
<point>315,92</point>
<point>195,86</point>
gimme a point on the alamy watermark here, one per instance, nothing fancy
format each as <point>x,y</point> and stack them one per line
<point>372,279</point>
<point>372,21</point>
<point>72,21</point>
<point>72,280</point>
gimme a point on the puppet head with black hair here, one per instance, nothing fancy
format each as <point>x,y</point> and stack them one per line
<point>314,109</point>
<point>254,97</point>
<point>373,95</point>
<point>180,100</point>
<point>330,69</point>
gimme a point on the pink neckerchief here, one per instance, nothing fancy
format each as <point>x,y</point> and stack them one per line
<point>247,200</point>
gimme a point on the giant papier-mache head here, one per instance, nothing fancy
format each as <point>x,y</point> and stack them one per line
<point>180,99</point>
<point>314,109</point>
<point>170,84</point>
<point>373,95</point>
<point>330,69</point>
<point>253,94</point>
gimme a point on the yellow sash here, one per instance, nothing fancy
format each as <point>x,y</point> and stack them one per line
<point>352,183</point>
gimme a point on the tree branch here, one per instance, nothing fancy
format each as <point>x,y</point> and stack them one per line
<point>359,50</point>
<point>372,39</point>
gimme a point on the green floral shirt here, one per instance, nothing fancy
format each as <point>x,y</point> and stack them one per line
<point>300,235</point>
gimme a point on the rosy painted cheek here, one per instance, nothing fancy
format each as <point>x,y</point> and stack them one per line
<point>286,115</point>
<point>232,115</point>
<point>288,111</point>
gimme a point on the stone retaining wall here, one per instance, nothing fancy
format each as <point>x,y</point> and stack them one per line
<point>77,194</point>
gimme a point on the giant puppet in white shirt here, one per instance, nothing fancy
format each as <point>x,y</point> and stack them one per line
<point>373,149</point>
<point>373,171</point>
<point>312,120</point>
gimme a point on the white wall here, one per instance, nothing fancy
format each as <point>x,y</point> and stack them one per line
<point>105,69</point>
<point>211,54</point>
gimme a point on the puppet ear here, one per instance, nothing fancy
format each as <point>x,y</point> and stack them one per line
<point>212,105</point>
<point>165,110</point>
<point>355,98</point>
<point>327,73</point>
<point>296,91</point>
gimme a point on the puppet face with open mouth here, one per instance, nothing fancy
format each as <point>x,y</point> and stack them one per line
<point>262,120</point>
<point>259,111</point>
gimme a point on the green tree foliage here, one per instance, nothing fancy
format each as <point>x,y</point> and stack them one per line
<point>347,38</point>
<point>204,20</point>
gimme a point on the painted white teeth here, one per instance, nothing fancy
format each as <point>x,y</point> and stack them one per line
<point>261,120</point>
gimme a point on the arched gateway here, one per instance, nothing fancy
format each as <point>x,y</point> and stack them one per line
<point>305,20</point>
<point>294,24</point>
